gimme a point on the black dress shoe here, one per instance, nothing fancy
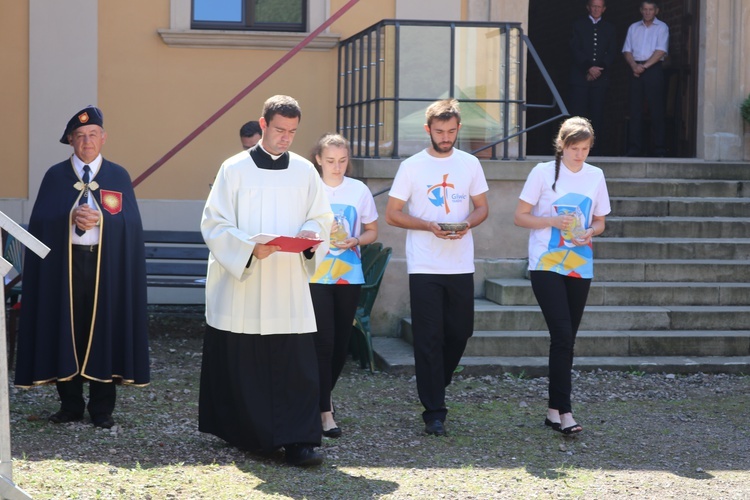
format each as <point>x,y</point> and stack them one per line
<point>435,428</point>
<point>333,432</point>
<point>63,417</point>
<point>105,421</point>
<point>302,455</point>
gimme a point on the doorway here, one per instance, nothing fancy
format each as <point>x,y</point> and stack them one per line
<point>550,25</point>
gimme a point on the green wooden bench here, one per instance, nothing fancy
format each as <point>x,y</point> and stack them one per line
<point>374,262</point>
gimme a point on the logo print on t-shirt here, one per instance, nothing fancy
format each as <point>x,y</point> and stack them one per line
<point>438,194</point>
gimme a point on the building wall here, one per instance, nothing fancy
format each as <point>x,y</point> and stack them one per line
<point>14,99</point>
<point>154,94</point>
<point>159,94</point>
<point>724,80</point>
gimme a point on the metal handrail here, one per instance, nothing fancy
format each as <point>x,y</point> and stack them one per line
<point>360,86</point>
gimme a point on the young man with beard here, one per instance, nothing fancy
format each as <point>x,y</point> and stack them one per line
<point>439,185</point>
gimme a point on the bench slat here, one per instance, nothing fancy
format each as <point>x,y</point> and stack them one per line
<point>184,253</point>
<point>176,282</point>
<point>176,269</point>
<point>168,255</point>
<point>155,236</point>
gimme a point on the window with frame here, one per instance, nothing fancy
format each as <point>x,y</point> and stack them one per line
<point>250,15</point>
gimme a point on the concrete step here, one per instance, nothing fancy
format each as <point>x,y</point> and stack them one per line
<point>615,343</point>
<point>679,207</point>
<point>672,270</point>
<point>678,227</point>
<point>491,316</point>
<point>671,248</point>
<point>678,187</point>
<point>671,168</point>
<point>509,292</point>
<point>397,356</point>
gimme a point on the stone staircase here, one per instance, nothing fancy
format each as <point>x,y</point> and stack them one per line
<point>671,291</point>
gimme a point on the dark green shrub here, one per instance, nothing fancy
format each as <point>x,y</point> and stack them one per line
<point>745,109</point>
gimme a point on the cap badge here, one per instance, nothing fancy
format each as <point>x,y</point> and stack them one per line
<point>83,117</point>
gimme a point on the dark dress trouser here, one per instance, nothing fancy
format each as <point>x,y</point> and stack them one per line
<point>562,300</point>
<point>588,100</point>
<point>442,315</point>
<point>102,395</point>
<point>650,84</point>
<point>335,307</point>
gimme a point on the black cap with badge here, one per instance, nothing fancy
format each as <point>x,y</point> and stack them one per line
<point>90,115</point>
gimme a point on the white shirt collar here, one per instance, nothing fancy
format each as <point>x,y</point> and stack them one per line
<point>94,165</point>
<point>275,157</point>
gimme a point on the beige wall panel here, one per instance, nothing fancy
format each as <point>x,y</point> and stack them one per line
<point>499,10</point>
<point>14,99</point>
<point>154,96</point>
<point>363,15</point>
<point>722,80</point>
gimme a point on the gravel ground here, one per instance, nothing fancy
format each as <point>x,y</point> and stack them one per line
<point>645,436</point>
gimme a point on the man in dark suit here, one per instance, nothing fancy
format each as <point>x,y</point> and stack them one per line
<point>593,50</point>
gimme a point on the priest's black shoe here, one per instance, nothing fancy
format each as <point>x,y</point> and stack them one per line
<point>302,455</point>
<point>103,421</point>
<point>435,428</point>
<point>63,417</point>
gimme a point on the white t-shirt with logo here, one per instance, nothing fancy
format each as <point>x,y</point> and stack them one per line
<point>352,200</point>
<point>583,194</point>
<point>440,190</point>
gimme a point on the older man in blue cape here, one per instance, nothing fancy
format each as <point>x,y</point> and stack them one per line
<point>83,314</point>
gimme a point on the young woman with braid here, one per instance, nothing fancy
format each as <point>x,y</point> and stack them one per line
<point>335,287</point>
<point>564,203</point>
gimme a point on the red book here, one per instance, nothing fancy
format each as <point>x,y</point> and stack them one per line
<point>287,243</point>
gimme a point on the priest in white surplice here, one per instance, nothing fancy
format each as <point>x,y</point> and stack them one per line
<point>259,378</point>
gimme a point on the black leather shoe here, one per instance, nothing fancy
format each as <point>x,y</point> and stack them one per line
<point>334,432</point>
<point>63,417</point>
<point>302,455</point>
<point>105,421</point>
<point>434,428</point>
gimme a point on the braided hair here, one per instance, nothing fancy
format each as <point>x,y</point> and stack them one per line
<point>573,130</point>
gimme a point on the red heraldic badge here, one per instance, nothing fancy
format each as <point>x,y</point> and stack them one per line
<point>111,201</point>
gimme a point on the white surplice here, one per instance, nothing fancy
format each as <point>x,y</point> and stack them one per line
<point>272,295</point>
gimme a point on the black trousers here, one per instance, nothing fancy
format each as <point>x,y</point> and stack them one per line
<point>649,85</point>
<point>335,306</point>
<point>562,300</point>
<point>102,395</point>
<point>588,100</point>
<point>442,319</point>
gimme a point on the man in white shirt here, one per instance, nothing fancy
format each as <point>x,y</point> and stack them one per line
<point>646,46</point>
<point>438,185</point>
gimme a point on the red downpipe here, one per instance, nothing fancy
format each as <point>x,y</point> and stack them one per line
<point>195,133</point>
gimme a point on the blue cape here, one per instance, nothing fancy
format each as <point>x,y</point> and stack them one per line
<point>118,350</point>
